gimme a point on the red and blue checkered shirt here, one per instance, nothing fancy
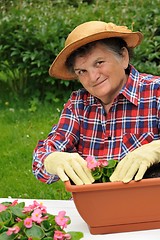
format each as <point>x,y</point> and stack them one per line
<point>85,127</point>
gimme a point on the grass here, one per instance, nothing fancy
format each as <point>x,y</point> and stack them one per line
<point>21,128</point>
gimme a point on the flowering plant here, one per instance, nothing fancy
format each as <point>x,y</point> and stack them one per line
<point>32,222</point>
<point>101,169</point>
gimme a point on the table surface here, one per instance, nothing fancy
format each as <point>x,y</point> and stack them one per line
<point>78,224</point>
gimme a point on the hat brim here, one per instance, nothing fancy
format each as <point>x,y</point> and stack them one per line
<point>58,68</point>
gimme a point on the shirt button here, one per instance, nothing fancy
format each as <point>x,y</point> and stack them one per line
<point>109,138</point>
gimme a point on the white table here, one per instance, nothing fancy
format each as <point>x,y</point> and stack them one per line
<point>78,224</point>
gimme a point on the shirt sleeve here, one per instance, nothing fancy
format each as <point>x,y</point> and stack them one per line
<point>158,106</point>
<point>63,137</point>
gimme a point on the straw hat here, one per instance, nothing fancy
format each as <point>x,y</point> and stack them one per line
<point>86,33</point>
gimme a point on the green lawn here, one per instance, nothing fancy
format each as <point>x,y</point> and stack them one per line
<point>20,130</point>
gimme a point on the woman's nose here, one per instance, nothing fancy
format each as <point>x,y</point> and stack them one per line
<point>94,74</point>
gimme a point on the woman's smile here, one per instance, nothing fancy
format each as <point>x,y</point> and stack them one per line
<point>97,84</point>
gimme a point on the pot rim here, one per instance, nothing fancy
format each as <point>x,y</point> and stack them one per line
<point>111,185</point>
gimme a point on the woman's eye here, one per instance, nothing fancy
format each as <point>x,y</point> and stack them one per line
<point>80,72</point>
<point>100,63</point>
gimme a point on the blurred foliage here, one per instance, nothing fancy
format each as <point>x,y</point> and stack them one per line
<point>33,33</point>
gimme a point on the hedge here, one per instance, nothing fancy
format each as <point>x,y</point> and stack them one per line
<point>33,33</point>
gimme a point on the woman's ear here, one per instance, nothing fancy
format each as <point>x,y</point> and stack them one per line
<point>125,57</point>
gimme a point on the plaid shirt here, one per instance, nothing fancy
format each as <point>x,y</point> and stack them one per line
<point>84,126</point>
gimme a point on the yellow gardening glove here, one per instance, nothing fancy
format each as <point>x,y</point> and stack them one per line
<point>137,162</point>
<point>68,165</point>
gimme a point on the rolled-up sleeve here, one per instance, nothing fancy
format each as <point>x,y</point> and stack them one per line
<point>63,138</point>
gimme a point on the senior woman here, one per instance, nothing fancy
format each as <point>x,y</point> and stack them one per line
<point>116,115</point>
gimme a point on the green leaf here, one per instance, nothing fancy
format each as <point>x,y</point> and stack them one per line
<point>97,173</point>
<point>4,236</point>
<point>105,179</point>
<point>35,232</point>
<point>17,211</point>
<point>3,229</point>
<point>46,225</point>
<point>112,163</point>
<point>5,217</point>
<point>50,233</point>
<point>48,238</point>
<point>76,235</point>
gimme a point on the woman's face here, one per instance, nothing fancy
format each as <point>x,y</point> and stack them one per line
<point>102,72</point>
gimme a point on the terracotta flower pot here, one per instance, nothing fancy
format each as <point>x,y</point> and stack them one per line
<point>118,207</point>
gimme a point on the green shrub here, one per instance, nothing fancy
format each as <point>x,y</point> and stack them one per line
<point>33,33</point>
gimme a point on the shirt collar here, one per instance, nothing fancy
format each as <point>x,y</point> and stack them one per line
<point>130,90</point>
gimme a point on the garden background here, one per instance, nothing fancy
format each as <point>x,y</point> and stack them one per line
<point>32,34</point>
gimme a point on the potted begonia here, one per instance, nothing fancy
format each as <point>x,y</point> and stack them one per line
<point>32,222</point>
<point>109,207</point>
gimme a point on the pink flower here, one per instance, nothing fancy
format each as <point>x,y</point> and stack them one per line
<point>12,230</point>
<point>40,206</point>
<point>37,216</point>
<point>67,236</point>
<point>61,220</point>
<point>34,206</point>
<point>58,235</point>
<point>18,219</point>
<point>28,222</point>
<point>102,163</point>
<point>91,162</point>
<point>27,209</point>
<point>15,202</point>
<point>2,207</point>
